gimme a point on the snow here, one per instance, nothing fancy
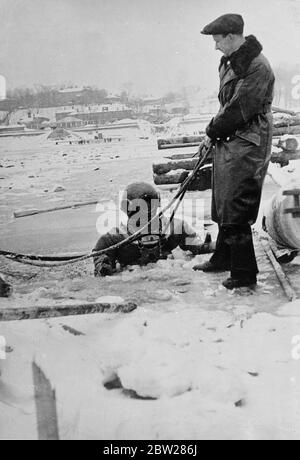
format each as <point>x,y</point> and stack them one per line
<point>211,377</point>
<point>211,364</point>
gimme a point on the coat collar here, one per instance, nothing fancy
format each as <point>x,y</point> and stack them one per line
<point>241,59</point>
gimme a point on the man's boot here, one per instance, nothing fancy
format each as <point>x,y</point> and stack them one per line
<point>232,283</point>
<point>244,268</point>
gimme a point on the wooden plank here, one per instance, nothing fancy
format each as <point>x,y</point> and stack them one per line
<point>178,146</point>
<point>295,191</point>
<point>32,212</point>
<point>54,311</point>
<point>292,211</point>
<point>45,405</point>
<point>284,281</point>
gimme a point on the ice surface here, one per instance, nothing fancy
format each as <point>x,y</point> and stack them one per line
<point>217,365</point>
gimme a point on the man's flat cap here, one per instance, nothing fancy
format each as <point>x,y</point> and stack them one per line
<point>226,24</point>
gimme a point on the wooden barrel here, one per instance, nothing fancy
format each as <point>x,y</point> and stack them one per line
<point>282,217</point>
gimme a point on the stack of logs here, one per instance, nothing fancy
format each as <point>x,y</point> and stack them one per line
<point>174,169</point>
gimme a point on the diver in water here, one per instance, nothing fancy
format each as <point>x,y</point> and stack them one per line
<point>141,202</point>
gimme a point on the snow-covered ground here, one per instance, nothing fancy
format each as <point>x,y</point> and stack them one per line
<point>210,374</point>
<point>193,361</point>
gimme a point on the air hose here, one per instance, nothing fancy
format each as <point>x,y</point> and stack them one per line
<point>60,261</point>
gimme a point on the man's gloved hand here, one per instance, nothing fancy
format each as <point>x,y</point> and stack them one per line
<point>103,269</point>
<point>205,145</point>
<point>210,131</point>
<point>5,288</point>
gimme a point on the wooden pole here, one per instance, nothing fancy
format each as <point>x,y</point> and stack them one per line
<point>32,212</point>
<point>284,281</point>
<point>45,405</point>
<point>54,311</point>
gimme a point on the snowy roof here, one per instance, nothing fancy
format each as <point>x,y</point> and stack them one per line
<point>61,133</point>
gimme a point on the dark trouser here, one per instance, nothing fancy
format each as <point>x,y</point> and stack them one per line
<point>235,251</point>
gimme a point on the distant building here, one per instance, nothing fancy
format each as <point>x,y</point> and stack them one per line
<point>70,96</point>
<point>177,108</point>
<point>37,122</point>
<point>12,129</point>
<point>70,122</point>
<point>113,99</point>
<point>100,114</point>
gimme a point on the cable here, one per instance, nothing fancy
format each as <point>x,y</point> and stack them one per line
<point>49,258</point>
<point>60,262</point>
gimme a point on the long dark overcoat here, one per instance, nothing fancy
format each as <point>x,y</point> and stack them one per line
<point>242,130</point>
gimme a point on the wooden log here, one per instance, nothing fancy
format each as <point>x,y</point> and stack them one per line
<point>181,156</point>
<point>32,212</point>
<point>170,178</point>
<point>201,182</point>
<point>167,166</point>
<point>293,130</point>
<point>284,121</point>
<point>180,140</point>
<point>54,311</point>
<point>179,146</point>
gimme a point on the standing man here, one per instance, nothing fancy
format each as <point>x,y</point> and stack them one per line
<point>242,135</point>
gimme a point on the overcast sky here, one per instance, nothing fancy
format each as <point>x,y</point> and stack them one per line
<point>155,44</point>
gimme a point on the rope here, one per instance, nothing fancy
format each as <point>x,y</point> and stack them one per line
<point>61,262</point>
<point>49,258</point>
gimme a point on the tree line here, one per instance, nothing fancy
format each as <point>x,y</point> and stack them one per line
<point>48,96</point>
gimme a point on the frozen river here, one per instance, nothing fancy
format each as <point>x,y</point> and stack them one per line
<point>214,364</point>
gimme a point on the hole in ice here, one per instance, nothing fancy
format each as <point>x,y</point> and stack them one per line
<point>114,383</point>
